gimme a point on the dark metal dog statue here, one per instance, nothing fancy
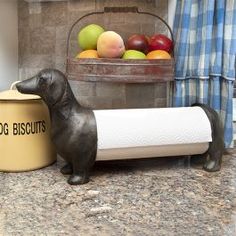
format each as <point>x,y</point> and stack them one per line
<point>74,130</point>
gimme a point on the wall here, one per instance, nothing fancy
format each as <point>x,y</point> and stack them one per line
<point>171,12</point>
<point>8,43</point>
<point>43,29</point>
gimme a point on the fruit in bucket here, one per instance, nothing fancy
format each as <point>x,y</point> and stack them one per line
<point>110,45</point>
<point>138,42</point>
<point>90,53</point>
<point>158,54</point>
<point>88,36</point>
<point>133,54</point>
<point>160,42</point>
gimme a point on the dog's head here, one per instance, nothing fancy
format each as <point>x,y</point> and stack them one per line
<point>50,84</point>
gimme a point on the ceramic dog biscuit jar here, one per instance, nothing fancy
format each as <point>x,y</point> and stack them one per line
<point>24,132</point>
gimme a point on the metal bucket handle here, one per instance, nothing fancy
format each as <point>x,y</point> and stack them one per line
<point>112,10</point>
<point>14,84</point>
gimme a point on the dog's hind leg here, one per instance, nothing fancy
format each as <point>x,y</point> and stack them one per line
<point>216,147</point>
<point>213,163</point>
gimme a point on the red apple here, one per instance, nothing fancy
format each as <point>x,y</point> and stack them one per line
<point>160,42</point>
<point>138,42</point>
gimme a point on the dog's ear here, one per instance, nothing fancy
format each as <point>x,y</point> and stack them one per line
<point>66,100</point>
<point>56,90</point>
<point>43,82</point>
<point>61,94</point>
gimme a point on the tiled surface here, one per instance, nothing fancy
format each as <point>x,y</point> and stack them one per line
<point>162,196</point>
<point>43,30</point>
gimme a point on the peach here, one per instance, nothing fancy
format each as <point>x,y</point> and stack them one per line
<point>110,45</point>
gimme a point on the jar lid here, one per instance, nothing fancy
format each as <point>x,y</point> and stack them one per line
<point>14,95</point>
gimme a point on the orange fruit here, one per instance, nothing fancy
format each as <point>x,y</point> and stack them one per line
<point>158,54</point>
<point>88,54</point>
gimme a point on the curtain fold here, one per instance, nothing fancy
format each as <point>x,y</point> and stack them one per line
<point>205,51</point>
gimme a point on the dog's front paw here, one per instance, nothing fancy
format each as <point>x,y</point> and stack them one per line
<point>78,179</point>
<point>211,166</point>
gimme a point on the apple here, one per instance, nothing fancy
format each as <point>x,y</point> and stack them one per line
<point>160,42</point>
<point>88,36</point>
<point>133,54</point>
<point>138,42</point>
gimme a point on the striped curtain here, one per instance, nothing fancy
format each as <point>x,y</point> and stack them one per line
<point>205,51</point>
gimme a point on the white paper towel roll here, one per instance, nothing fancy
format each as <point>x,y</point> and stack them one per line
<point>137,133</point>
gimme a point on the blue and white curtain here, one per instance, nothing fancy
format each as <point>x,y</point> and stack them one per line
<point>205,51</point>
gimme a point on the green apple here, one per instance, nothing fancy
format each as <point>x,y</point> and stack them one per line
<point>133,54</point>
<point>88,36</point>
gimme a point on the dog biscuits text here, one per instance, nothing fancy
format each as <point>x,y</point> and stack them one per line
<point>23,128</point>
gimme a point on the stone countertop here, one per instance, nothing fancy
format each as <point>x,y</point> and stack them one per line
<point>161,196</point>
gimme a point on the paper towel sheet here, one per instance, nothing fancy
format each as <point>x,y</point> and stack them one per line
<point>151,151</point>
<point>128,128</point>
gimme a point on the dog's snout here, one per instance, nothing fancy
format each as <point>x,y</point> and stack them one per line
<point>27,86</point>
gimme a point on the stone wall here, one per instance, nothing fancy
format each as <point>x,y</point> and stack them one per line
<point>43,30</point>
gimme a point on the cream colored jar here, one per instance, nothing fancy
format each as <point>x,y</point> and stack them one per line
<point>24,132</point>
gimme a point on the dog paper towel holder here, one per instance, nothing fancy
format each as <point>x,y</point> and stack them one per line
<point>82,135</point>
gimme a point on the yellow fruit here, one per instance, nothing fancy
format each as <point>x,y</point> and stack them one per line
<point>88,54</point>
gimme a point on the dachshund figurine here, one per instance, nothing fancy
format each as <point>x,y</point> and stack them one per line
<point>74,128</point>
